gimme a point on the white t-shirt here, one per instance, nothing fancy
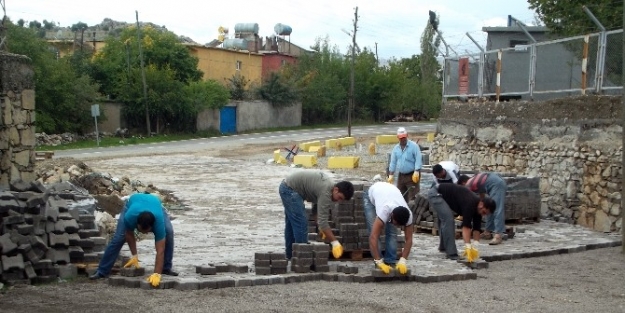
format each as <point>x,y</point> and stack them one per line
<point>386,197</point>
<point>452,170</point>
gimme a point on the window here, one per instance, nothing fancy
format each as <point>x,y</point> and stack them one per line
<point>238,65</point>
<point>282,62</point>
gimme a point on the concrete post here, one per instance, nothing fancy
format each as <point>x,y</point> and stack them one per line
<point>17,116</point>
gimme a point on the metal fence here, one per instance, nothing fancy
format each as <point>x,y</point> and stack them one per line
<point>575,65</point>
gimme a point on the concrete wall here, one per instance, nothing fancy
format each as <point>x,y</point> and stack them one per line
<point>573,144</point>
<point>17,116</point>
<point>220,64</point>
<point>114,120</point>
<point>254,115</point>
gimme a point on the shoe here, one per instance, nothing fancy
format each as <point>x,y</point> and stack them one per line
<point>486,235</point>
<point>496,240</point>
<point>453,257</point>
<point>96,276</point>
<point>169,273</point>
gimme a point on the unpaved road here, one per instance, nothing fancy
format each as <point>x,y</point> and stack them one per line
<point>590,281</point>
<point>236,211</point>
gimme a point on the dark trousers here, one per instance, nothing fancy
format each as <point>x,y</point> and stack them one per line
<point>404,183</point>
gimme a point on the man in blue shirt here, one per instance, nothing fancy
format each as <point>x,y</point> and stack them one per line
<point>145,213</point>
<point>405,166</point>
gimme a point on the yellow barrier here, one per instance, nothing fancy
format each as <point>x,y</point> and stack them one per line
<point>431,137</point>
<point>307,145</point>
<point>386,139</point>
<point>347,141</point>
<point>305,160</point>
<point>276,156</point>
<point>343,162</point>
<point>321,151</point>
<point>332,143</point>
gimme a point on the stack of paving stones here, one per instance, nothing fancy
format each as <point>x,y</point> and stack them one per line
<point>41,234</point>
<point>270,263</point>
<point>310,257</point>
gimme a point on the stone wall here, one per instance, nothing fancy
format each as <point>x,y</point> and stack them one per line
<point>17,117</point>
<point>573,144</point>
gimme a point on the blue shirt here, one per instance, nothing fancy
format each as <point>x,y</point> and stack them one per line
<point>139,203</point>
<point>407,160</point>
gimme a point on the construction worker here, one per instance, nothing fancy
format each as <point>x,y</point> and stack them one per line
<point>448,198</point>
<point>405,166</point>
<point>491,184</point>
<point>446,172</point>
<point>145,213</point>
<point>385,208</point>
<point>317,187</point>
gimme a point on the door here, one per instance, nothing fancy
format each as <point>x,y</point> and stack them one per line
<point>228,120</point>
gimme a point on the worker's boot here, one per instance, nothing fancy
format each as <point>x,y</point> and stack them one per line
<point>496,240</point>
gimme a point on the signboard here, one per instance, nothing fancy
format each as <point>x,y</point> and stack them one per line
<point>463,76</point>
<point>95,110</point>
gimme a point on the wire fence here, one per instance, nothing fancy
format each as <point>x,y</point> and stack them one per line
<point>541,70</point>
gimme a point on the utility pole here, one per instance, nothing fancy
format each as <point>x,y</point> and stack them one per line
<point>623,154</point>
<point>377,61</point>
<point>350,105</point>
<point>145,86</point>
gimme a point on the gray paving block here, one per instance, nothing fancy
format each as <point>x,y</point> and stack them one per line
<point>98,241</point>
<point>58,240</point>
<point>277,256</point>
<point>363,278</point>
<point>207,270</point>
<point>40,280</point>
<point>291,278</point>
<point>321,268</point>
<point>262,270</point>
<point>43,264</point>
<point>208,284</point>
<point>132,272</point>
<point>71,226</point>
<point>164,284</point>
<point>88,233</point>
<point>69,271</point>
<point>222,267</point>
<point>260,281</point>
<point>12,263</point>
<point>276,280</point>
<point>132,282</point>
<point>300,269</point>
<point>478,264</point>
<point>278,270</point>
<point>29,271</point>
<point>302,247</point>
<point>377,273</point>
<point>116,281</point>
<point>85,243</point>
<point>244,282</point>
<point>52,212</point>
<point>25,229</point>
<point>238,268</point>
<point>74,239</point>
<point>330,276</point>
<point>262,256</point>
<point>262,263</point>
<point>9,205</point>
<point>187,284</point>
<point>91,257</point>
<point>346,278</point>
<point>18,238</point>
<point>6,244</point>
<point>225,282</point>
<point>280,263</point>
<point>58,256</point>
<point>77,254</point>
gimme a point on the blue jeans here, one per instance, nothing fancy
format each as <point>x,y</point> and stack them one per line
<point>295,218</point>
<point>390,231</point>
<point>446,224</point>
<point>496,189</point>
<point>119,238</point>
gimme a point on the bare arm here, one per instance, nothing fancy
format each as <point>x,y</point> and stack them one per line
<point>466,234</point>
<point>376,229</point>
<point>160,256</point>
<point>408,231</point>
<point>132,242</point>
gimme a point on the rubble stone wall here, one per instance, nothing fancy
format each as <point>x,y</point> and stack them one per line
<point>573,145</point>
<point>17,117</point>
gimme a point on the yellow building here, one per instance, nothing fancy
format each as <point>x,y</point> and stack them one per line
<point>221,64</point>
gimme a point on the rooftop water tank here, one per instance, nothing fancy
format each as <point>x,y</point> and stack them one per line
<point>246,28</point>
<point>235,43</point>
<point>282,30</point>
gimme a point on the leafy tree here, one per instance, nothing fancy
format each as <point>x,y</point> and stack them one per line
<point>237,84</point>
<point>208,94</point>
<point>34,24</point>
<point>277,91</point>
<point>566,18</point>
<point>48,25</point>
<point>21,23</point>
<point>64,97</point>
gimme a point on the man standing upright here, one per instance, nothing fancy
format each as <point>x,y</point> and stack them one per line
<point>317,187</point>
<point>405,166</point>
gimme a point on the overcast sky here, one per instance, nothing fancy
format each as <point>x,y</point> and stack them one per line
<point>396,25</point>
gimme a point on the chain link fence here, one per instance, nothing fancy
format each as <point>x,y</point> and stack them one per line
<point>542,70</point>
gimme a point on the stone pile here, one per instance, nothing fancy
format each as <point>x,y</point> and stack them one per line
<point>42,230</point>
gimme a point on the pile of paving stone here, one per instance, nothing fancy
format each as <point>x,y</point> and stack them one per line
<point>45,229</point>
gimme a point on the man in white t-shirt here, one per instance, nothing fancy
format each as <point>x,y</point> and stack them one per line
<point>446,172</point>
<point>385,208</point>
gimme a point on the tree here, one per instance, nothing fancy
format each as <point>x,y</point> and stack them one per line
<point>277,91</point>
<point>21,22</point>
<point>566,18</point>
<point>64,97</point>
<point>76,28</point>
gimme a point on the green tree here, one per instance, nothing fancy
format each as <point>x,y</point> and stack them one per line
<point>21,22</point>
<point>566,18</point>
<point>277,91</point>
<point>209,94</point>
<point>64,97</point>
<point>237,84</point>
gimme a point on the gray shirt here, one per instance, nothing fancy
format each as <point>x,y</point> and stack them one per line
<point>316,187</point>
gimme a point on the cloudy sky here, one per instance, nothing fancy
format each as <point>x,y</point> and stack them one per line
<point>395,25</point>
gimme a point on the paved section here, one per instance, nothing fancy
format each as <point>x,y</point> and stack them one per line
<point>237,140</point>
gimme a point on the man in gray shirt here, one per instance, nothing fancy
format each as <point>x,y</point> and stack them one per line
<point>317,187</point>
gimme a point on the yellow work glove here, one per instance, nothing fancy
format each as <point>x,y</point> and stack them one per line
<point>155,279</point>
<point>390,179</point>
<point>134,261</point>
<point>322,235</point>
<point>471,252</point>
<point>382,266</point>
<point>337,249</point>
<point>415,177</point>
<point>401,266</point>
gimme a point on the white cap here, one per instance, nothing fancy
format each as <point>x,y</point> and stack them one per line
<point>402,133</point>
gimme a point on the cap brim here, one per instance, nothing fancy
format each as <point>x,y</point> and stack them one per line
<point>402,136</point>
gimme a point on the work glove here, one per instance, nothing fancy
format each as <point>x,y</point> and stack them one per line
<point>155,279</point>
<point>390,179</point>
<point>416,177</point>
<point>322,235</point>
<point>382,266</point>
<point>134,261</point>
<point>401,266</point>
<point>337,249</point>
<point>471,252</point>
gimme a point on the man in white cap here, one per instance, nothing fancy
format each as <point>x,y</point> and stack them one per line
<point>405,167</point>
